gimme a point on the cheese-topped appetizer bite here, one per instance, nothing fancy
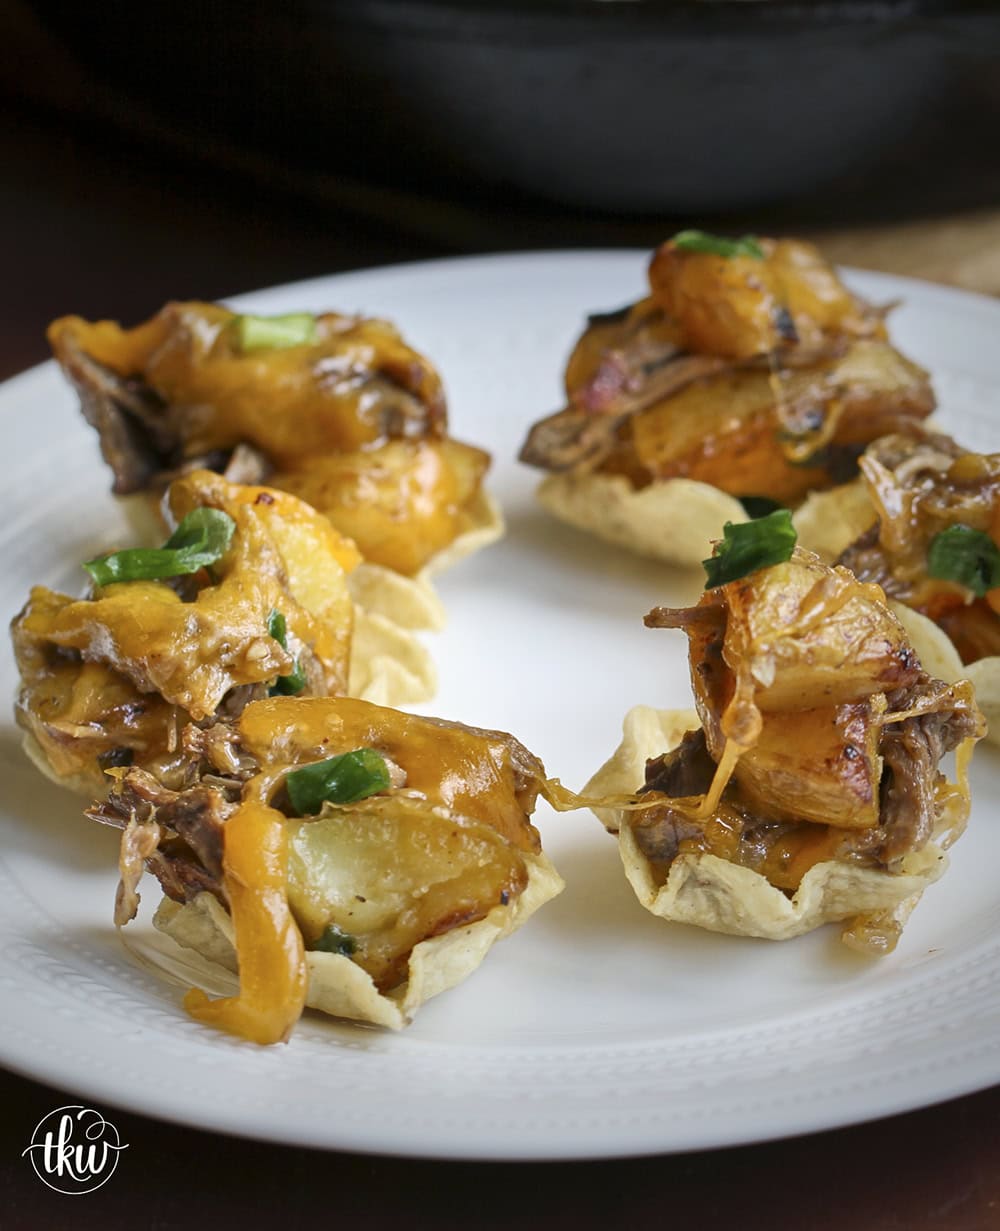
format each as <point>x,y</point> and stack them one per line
<point>932,545</point>
<point>806,788</point>
<point>748,373</point>
<point>338,854</point>
<point>336,409</point>
<point>248,596</point>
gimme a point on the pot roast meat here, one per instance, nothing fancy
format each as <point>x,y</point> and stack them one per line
<point>583,434</point>
<point>866,560</point>
<point>196,814</point>
<point>130,419</point>
<point>139,844</point>
<point>911,751</point>
<point>659,833</point>
<point>177,835</point>
<point>685,771</point>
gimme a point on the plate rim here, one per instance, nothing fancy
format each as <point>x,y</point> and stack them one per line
<point>143,1101</point>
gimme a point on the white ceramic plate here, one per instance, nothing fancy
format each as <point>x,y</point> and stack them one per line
<point>597,1030</point>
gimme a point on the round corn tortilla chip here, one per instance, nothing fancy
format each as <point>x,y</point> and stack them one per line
<point>675,520</point>
<point>706,891</point>
<point>678,520</point>
<point>79,784</point>
<point>829,522</point>
<point>341,988</point>
<point>710,893</point>
<point>389,664</point>
<point>985,678</point>
<point>486,525</point>
<point>408,602</point>
<point>933,646</point>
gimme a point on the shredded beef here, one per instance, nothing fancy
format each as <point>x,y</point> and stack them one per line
<point>867,561</point>
<point>237,699</point>
<point>181,879</point>
<point>177,834</point>
<point>139,843</point>
<point>911,751</point>
<point>135,436</point>
<point>582,434</point>
<point>684,772</point>
<point>911,748</point>
<point>215,750</point>
<point>659,833</point>
<point>712,616</point>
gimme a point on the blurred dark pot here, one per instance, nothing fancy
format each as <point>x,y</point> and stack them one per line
<point>633,106</point>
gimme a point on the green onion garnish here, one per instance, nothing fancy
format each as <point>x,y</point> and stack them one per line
<point>336,940</point>
<point>277,627</point>
<point>274,332</point>
<point>716,245</point>
<point>340,780</point>
<point>285,685</point>
<point>201,539</point>
<point>966,556</point>
<point>289,685</point>
<point>750,546</point>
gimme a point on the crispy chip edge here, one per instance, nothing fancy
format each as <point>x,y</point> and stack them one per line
<point>717,896</point>
<point>829,522</point>
<point>609,507</point>
<point>338,986</point>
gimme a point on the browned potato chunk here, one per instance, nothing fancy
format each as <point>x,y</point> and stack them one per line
<point>722,305</point>
<point>401,503</point>
<point>753,432</point>
<point>391,872</point>
<point>815,765</point>
<point>740,306</point>
<point>812,636</point>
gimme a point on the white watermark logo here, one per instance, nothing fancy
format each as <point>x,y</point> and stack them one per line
<point>74,1150</point>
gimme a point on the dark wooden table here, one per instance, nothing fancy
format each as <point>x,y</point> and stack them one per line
<point>108,228</point>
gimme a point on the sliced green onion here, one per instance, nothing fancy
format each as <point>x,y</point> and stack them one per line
<point>750,546</point>
<point>966,556</point>
<point>289,685</point>
<point>277,627</point>
<point>717,245</point>
<point>285,685</point>
<point>759,506</point>
<point>201,539</point>
<point>336,940</point>
<point>274,332</point>
<point>339,780</point>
